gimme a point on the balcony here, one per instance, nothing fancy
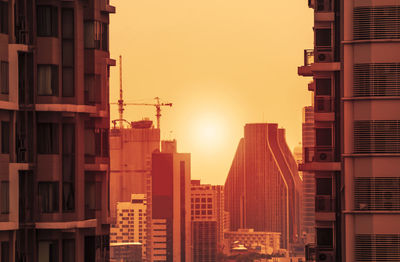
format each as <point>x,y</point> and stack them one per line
<point>319,158</point>
<point>106,7</point>
<point>324,109</point>
<point>305,70</point>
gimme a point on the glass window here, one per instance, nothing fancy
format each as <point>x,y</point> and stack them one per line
<point>47,21</point>
<point>68,165</point>
<point>68,52</point>
<point>5,197</point>
<point>323,86</point>
<point>48,251</point>
<point>47,80</point>
<point>323,37</point>
<point>323,136</point>
<point>48,197</point>
<point>4,77</point>
<point>325,237</point>
<point>47,138</point>
<point>68,250</point>
<point>5,137</point>
<point>3,18</point>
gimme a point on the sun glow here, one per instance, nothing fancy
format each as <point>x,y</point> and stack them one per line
<point>209,133</point>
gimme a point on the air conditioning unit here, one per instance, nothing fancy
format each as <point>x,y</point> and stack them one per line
<point>325,256</point>
<point>323,56</point>
<point>324,156</point>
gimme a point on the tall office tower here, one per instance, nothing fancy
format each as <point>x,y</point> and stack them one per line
<point>263,188</point>
<point>171,202</point>
<point>308,178</point>
<point>54,96</point>
<point>131,224</point>
<point>130,160</point>
<point>207,213</point>
<point>356,91</point>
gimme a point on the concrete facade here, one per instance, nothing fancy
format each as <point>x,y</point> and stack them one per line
<point>54,163</point>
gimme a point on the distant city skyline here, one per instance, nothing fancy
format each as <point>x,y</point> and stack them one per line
<point>222,64</point>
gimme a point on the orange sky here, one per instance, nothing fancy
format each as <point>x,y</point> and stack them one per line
<point>221,63</point>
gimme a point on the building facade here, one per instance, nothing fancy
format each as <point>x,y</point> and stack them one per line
<point>131,224</point>
<point>263,188</point>
<point>207,207</point>
<point>171,202</point>
<point>54,167</point>
<point>356,153</point>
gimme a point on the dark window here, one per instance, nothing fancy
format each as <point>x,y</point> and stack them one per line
<point>5,197</point>
<point>47,138</point>
<point>324,237</point>
<point>47,21</point>
<point>96,35</point>
<point>324,186</point>
<point>48,197</point>
<point>4,78</point>
<point>5,137</point>
<point>68,250</point>
<point>68,52</point>
<point>93,195</point>
<point>48,251</point>
<point>3,18</point>
<point>68,165</point>
<point>323,86</point>
<point>47,84</point>
<point>5,251</point>
<point>323,136</point>
<point>323,37</point>
<point>92,89</point>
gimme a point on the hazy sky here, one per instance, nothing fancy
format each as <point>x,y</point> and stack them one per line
<point>221,63</point>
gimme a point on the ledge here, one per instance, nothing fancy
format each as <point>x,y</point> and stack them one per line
<point>324,16</point>
<point>66,108</point>
<point>320,166</point>
<point>5,105</point>
<point>362,98</point>
<point>322,67</point>
<point>67,225</point>
<point>324,216</point>
<point>324,117</point>
<point>6,226</point>
<point>96,167</point>
<point>372,155</point>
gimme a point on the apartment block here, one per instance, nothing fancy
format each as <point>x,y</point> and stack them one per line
<point>159,240</point>
<point>131,224</point>
<point>356,155</point>
<point>54,162</point>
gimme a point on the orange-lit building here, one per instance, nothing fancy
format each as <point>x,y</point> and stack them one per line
<point>170,202</point>
<point>263,188</point>
<point>130,160</point>
<point>54,95</point>
<point>355,72</point>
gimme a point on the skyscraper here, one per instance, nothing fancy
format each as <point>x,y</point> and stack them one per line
<point>263,189</point>
<point>54,115</point>
<point>171,202</point>
<point>356,154</point>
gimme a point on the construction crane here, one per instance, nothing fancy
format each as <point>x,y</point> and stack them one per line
<point>158,106</point>
<point>121,104</point>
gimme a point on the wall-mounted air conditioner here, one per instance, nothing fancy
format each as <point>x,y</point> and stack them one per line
<point>323,56</point>
<point>324,156</point>
<point>325,256</point>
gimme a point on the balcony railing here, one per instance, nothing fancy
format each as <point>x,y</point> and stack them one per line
<point>318,154</point>
<point>308,57</point>
<point>324,203</point>
<point>324,104</point>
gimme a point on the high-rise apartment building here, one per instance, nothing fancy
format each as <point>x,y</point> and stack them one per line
<point>54,96</point>
<point>207,214</point>
<point>170,202</point>
<point>131,224</point>
<point>263,188</point>
<point>356,153</point>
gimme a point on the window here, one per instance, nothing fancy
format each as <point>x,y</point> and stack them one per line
<point>4,84</point>
<point>325,237</point>
<point>47,138</point>
<point>92,89</point>
<point>48,197</point>
<point>48,251</point>
<point>93,195</point>
<point>96,35</point>
<point>323,136</point>
<point>68,250</point>
<point>68,166</point>
<point>47,80</point>
<point>323,37</point>
<point>5,137</point>
<point>3,17</point>
<point>323,86</point>
<point>68,52</point>
<point>5,251</point>
<point>5,197</point>
<point>47,21</point>
<point>324,186</point>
